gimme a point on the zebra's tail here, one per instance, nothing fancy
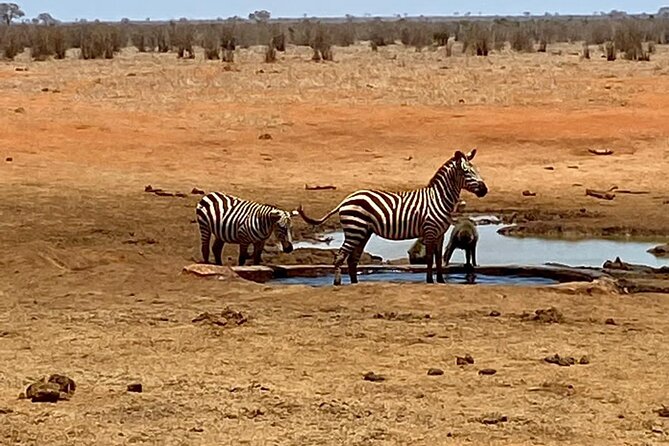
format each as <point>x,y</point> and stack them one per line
<point>313,221</point>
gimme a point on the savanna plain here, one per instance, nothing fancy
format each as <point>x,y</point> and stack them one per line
<point>91,265</point>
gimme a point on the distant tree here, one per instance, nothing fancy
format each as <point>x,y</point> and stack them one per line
<point>9,12</point>
<point>125,20</point>
<point>526,13</point>
<point>261,15</point>
<point>46,19</point>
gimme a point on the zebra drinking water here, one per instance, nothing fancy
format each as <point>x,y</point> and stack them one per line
<point>233,220</point>
<point>424,213</point>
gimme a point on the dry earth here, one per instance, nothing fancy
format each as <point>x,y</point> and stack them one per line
<point>90,263</point>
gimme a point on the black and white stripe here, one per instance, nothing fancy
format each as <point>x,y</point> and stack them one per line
<point>422,213</point>
<point>232,220</point>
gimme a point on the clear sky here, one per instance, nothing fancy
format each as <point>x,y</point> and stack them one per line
<point>205,9</point>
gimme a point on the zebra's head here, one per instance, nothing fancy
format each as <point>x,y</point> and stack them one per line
<point>472,179</point>
<point>283,228</point>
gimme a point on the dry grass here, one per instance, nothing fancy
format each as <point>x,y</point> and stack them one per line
<point>83,294</point>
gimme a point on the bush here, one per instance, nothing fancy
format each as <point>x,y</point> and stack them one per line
<point>211,43</point>
<point>610,51</point>
<point>98,41</point>
<point>586,51</point>
<point>477,38</point>
<point>228,45</point>
<point>12,41</point>
<point>521,40</point>
<point>182,36</point>
<point>40,47</point>
<point>629,39</point>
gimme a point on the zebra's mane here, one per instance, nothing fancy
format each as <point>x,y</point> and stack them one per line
<point>446,166</point>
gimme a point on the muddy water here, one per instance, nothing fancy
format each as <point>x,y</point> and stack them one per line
<point>496,249</point>
<point>405,277</point>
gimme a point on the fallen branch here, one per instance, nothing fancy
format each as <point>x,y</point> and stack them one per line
<point>600,195</point>
<point>633,192</point>
<point>601,151</point>
<point>326,187</point>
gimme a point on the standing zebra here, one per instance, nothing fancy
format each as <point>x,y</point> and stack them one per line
<point>233,220</point>
<point>424,213</point>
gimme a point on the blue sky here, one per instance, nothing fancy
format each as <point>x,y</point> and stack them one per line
<point>168,9</point>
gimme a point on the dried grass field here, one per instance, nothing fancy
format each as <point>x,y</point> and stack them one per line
<point>90,265</point>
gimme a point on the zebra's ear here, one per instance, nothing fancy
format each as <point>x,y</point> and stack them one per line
<point>458,155</point>
<point>471,155</point>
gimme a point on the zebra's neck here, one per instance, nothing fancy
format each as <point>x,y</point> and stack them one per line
<point>447,184</point>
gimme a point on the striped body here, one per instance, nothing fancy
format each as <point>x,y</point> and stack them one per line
<point>422,213</point>
<point>229,219</point>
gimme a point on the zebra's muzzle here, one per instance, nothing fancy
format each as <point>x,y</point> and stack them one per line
<point>481,190</point>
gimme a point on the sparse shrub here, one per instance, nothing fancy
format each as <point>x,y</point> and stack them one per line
<point>321,46</point>
<point>11,41</point>
<point>278,42</point>
<point>477,39</point>
<point>211,43</point>
<point>40,46</point>
<point>610,51</point>
<point>651,47</point>
<point>441,38</point>
<point>228,45</point>
<point>521,40</point>
<point>374,46</point>
<point>586,51</point>
<point>270,53</point>
<point>139,39</point>
<point>98,41</point>
<point>542,46</point>
<point>629,39</point>
<point>59,41</point>
<point>182,36</point>
<point>449,48</point>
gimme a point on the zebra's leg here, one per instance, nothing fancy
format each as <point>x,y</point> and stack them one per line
<point>257,252</point>
<point>205,248</point>
<point>340,257</point>
<point>243,253</point>
<point>353,260</point>
<point>474,262</point>
<point>429,247</point>
<point>218,251</point>
<point>437,259</point>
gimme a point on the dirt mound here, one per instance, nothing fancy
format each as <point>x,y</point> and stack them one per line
<point>227,318</point>
<point>547,316</point>
<point>50,390</point>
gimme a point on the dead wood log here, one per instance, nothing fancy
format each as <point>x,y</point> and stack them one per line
<point>326,187</point>
<point>599,194</point>
<point>601,151</point>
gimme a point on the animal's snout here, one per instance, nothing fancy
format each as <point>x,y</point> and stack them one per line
<point>481,190</point>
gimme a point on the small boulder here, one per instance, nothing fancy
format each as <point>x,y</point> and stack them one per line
<point>487,372</point>
<point>373,377</point>
<point>435,372</point>
<point>135,388</point>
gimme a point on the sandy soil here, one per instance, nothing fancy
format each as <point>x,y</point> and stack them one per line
<point>90,265</point>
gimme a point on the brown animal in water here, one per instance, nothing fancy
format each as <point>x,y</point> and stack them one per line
<point>465,237</point>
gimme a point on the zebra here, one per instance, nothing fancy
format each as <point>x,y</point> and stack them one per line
<point>424,212</point>
<point>234,220</point>
<point>464,236</point>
